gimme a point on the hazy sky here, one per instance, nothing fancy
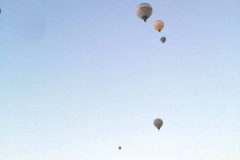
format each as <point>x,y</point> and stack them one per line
<point>80,78</point>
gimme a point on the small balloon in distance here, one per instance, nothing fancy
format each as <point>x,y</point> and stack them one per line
<point>163,39</point>
<point>158,123</point>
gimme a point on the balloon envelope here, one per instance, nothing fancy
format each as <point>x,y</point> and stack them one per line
<point>158,25</point>
<point>163,39</point>
<point>158,123</point>
<point>119,147</point>
<point>144,11</point>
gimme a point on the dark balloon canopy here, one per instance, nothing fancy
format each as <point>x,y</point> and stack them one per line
<point>119,147</point>
<point>158,123</point>
<point>163,39</point>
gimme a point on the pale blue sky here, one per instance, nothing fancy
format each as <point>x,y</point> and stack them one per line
<point>80,78</point>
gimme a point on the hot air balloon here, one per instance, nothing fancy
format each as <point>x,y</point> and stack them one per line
<point>158,25</point>
<point>119,147</point>
<point>163,39</point>
<point>144,11</point>
<point>158,123</point>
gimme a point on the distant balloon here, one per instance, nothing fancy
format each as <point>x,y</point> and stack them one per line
<point>144,11</point>
<point>119,147</point>
<point>158,25</point>
<point>163,39</point>
<point>158,123</point>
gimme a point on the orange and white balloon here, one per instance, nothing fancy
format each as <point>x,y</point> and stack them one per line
<point>158,25</point>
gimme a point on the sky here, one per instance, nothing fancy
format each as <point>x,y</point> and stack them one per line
<point>80,78</point>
